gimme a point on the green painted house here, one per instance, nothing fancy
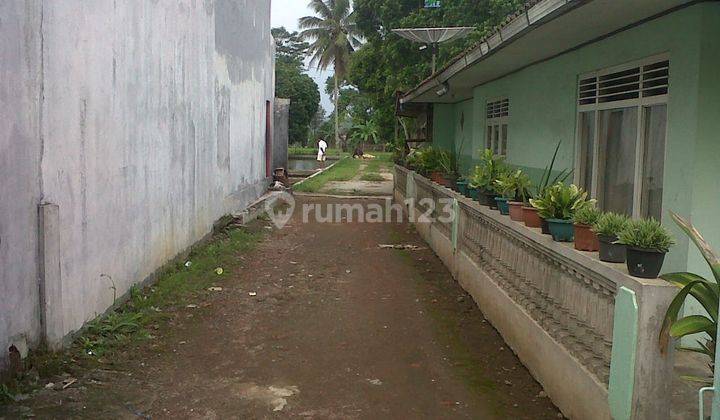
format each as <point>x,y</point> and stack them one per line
<point>630,87</point>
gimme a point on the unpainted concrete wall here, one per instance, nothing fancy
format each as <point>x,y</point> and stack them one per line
<point>20,148</point>
<point>143,121</point>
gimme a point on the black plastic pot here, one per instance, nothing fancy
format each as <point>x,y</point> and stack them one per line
<point>544,226</point>
<point>644,263</point>
<point>610,252</point>
<point>490,199</point>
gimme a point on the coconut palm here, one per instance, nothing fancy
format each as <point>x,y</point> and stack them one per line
<point>333,37</point>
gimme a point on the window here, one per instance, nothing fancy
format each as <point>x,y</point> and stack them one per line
<point>622,122</point>
<point>496,138</point>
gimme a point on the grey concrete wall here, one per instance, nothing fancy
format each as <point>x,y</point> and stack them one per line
<point>143,121</point>
<point>281,134</point>
<point>20,149</point>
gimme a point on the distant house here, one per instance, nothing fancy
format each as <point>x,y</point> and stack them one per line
<point>631,88</point>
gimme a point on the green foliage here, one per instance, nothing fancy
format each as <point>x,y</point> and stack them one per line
<point>646,234</point>
<point>365,132</point>
<point>292,83</point>
<point>387,63</point>
<point>514,185</point>
<point>610,224</point>
<point>587,215</point>
<point>333,35</point>
<point>489,170</point>
<point>704,291</point>
<point>561,201</point>
<point>431,159</point>
<point>546,179</point>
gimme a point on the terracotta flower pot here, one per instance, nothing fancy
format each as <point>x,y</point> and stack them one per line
<point>586,239</point>
<point>531,217</point>
<point>437,177</point>
<point>516,212</point>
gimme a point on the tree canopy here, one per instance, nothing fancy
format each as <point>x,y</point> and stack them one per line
<point>293,83</point>
<point>387,63</point>
<point>332,32</point>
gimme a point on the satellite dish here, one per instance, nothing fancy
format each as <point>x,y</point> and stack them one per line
<point>434,36</point>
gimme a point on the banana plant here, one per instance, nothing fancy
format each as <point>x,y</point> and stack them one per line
<point>704,291</point>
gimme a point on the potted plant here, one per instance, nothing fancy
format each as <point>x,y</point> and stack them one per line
<point>486,173</point>
<point>515,188</point>
<point>607,228</point>
<point>543,210</point>
<point>505,186</point>
<point>417,160</point>
<point>583,222</point>
<point>462,185</point>
<point>447,164</point>
<point>564,201</point>
<point>647,243</point>
<point>530,213</point>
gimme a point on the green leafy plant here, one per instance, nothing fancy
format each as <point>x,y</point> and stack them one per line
<point>646,234</point>
<point>514,185</point>
<point>704,291</point>
<point>430,159</point>
<point>546,181</point>
<point>561,201</point>
<point>587,215</point>
<point>491,167</point>
<point>447,163</point>
<point>610,224</point>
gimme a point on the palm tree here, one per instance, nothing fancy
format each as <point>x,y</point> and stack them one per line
<point>333,37</point>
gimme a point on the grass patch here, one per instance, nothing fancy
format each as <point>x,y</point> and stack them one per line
<point>382,161</point>
<point>372,177</point>
<point>344,170</point>
<point>303,151</point>
<point>109,339</point>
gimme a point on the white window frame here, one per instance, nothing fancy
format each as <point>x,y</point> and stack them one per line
<point>497,122</point>
<point>641,103</point>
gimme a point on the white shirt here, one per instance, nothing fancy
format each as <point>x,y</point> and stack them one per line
<point>322,146</point>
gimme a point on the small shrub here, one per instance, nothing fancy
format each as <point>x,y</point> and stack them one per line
<point>610,224</point>
<point>587,215</point>
<point>646,234</point>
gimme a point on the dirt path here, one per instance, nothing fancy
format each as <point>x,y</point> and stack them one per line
<point>338,329</point>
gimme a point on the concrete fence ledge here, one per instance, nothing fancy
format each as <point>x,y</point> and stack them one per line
<point>555,307</point>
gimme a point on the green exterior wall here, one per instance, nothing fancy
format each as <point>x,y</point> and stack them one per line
<point>543,111</point>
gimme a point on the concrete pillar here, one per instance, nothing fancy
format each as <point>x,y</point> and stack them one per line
<point>51,289</point>
<point>281,133</point>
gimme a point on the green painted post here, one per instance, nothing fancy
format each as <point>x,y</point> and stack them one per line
<point>410,186</point>
<point>622,363</point>
<point>455,223</point>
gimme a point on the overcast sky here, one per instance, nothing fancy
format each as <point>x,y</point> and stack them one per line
<point>286,13</point>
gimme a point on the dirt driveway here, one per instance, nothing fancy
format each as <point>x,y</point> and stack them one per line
<point>319,323</point>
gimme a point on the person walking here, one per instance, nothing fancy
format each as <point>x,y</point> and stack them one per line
<point>322,150</point>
